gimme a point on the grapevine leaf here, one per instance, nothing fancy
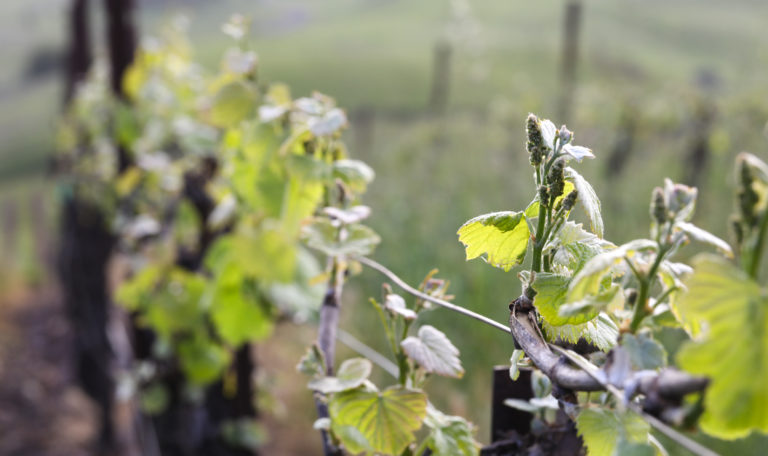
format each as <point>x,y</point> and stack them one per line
<point>627,448</point>
<point>700,235</point>
<point>501,236</point>
<point>731,349</point>
<point>603,430</point>
<point>588,200</point>
<point>514,371</point>
<point>434,352</point>
<point>551,290</point>
<point>381,422</point>
<point>356,174</point>
<point>600,331</point>
<point>587,281</point>
<point>396,304</point>
<point>644,352</point>
<point>578,153</point>
<point>356,239</point>
<point>351,374</point>
<point>450,435</point>
<point>232,103</point>
<point>202,360</point>
<point>313,362</point>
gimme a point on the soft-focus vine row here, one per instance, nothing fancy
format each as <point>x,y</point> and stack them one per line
<point>218,188</point>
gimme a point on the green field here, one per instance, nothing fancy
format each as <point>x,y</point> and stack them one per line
<point>435,172</point>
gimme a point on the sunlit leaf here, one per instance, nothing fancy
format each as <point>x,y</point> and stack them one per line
<point>732,348</point>
<point>603,430</point>
<point>383,422</point>
<point>501,236</point>
<point>700,235</point>
<point>232,104</point>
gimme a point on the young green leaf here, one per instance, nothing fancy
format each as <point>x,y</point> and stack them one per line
<point>644,352</point>
<point>356,239</point>
<point>603,430</point>
<point>514,371</point>
<point>434,352</point>
<point>700,235</point>
<point>587,281</point>
<point>551,291</point>
<point>588,200</point>
<point>351,374</point>
<point>600,331</point>
<point>501,236</point>
<point>732,349</point>
<point>380,422</point>
<point>450,435</point>
<point>232,103</point>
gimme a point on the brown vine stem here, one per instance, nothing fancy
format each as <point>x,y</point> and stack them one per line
<point>326,340</point>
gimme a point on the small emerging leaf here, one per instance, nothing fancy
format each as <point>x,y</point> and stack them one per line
<point>352,373</point>
<point>434,352</point>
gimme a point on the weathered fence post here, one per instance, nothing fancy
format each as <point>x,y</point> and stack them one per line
<point>441,77</point>
<point>569,60</point>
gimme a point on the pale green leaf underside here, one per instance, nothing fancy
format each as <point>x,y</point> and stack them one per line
<point>644,352</point>
<point>384,421</point>
<point>588,200</point>
<point>732,349</point>
<point>603,430</point>
<point>351,374</point>
<point>501,236</point>
<point>434,352</point>
<point>450,435</point>
<point>600,331</point>
<point>587,281</point>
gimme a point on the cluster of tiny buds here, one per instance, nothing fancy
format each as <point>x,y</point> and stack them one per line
<point>535,145</point>
<point>658,206</point>
<point>746,194</point>
<point>570,200</point>
<point>556,178</point>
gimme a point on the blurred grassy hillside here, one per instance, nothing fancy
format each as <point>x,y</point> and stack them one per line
<point>652,71</point>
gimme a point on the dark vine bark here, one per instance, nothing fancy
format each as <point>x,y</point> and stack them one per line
<point>669,383</point>
<point>185,428</point>
<point>85,247</point>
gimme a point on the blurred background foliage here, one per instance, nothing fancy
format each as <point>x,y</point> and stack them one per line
<point>657,82</point>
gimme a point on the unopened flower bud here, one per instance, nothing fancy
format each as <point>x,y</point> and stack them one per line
<point>746,194</point>
<point>570,200</point>
<point>738,230</point>
<point>535,143</point>
<point>557,178</point>
<point>565,135</point>
<point>543,195</point>
<point>658,207</point>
